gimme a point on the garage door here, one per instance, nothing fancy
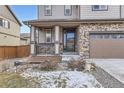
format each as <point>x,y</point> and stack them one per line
<point>106,45</point>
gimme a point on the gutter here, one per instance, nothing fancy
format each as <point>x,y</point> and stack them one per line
<point>13,15</point>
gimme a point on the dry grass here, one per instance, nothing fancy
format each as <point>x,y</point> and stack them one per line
<point>13,80</point>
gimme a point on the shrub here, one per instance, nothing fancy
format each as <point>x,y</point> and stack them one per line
<point>4,67</point>
<point>76,64</point>
<point>48,65</point>
<point>89,66</point>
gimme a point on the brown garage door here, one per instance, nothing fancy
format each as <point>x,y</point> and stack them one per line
<point>106,45</point>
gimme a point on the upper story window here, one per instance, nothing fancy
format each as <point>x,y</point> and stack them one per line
<point>4,23</point>
<point>68,10</point>
<point>48,10</point>
<point>48,35</point>
<point>99,7</point>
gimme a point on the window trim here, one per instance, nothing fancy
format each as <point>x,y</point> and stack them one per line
<point>45,10</point>
<point>65,13</point>
<point>99,9</point>
<point>110,36</point>
<point>5,24</point>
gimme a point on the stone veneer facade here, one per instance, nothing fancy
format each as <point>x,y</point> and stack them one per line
<point>48,48</point>
<point>83,34</point>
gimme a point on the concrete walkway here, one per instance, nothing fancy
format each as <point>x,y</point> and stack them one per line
<point>114,67</point>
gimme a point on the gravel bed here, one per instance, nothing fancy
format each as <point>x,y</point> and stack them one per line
<point>106,79</point>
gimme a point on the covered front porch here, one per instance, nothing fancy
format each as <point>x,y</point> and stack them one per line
<point>51,38</point>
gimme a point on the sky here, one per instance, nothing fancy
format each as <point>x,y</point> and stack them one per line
<point>24,13</point>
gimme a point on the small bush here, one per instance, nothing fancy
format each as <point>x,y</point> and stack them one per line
<point>4,67</point>
<point>90,65</point>
<point>93,66</point>
<point>78,65</point>
<point>48,66</point>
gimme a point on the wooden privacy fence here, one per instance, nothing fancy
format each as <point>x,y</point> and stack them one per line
<point>14,51</point>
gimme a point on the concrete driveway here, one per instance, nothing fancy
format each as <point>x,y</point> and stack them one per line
<point>114,67</point>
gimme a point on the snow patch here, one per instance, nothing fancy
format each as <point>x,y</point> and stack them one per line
<point>63,79</point>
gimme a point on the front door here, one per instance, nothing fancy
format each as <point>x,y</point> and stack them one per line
<point>69,40</point>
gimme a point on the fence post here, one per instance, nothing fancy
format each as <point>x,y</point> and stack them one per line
<point>16,51</point>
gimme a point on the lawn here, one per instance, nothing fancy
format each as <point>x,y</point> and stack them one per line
<point>13,80</point>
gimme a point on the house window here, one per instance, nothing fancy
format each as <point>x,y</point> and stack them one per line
<point>99,7</point>
<point>48,35</point>
<point>48,10</point>
<point>4,23</point>
<point>68,10</point>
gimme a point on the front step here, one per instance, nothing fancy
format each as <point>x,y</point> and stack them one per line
<point>45,58</point>
<point>67,58</point>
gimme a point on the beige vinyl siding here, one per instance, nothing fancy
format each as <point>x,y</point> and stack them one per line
<point>87,13</point>
<point>6,40</point>
<point>13,30</point>
<point>122,11</point>
<point>28,40</point>
<point>57,12</point>
<point>23,42</point>
<point>9,36</point>
<point>6,13</point>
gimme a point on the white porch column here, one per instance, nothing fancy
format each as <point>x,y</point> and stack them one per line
<point>57,30</point>
<point>32,41</point>
<point>37,35</point>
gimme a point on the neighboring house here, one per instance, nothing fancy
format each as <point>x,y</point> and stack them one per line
<point>23,41</point>
<point>91,31</point>
<point>9,27</point>
<point>25,38</point>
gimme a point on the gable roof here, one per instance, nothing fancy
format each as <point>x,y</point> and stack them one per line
<point>13,14</point>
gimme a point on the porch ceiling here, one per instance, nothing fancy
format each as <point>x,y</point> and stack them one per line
<point>52,23</point>
<point>68,23</point>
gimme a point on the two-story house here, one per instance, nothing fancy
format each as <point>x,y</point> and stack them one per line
<point>25,38</point>
<point>9,27</point>
<point>91,31</point>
